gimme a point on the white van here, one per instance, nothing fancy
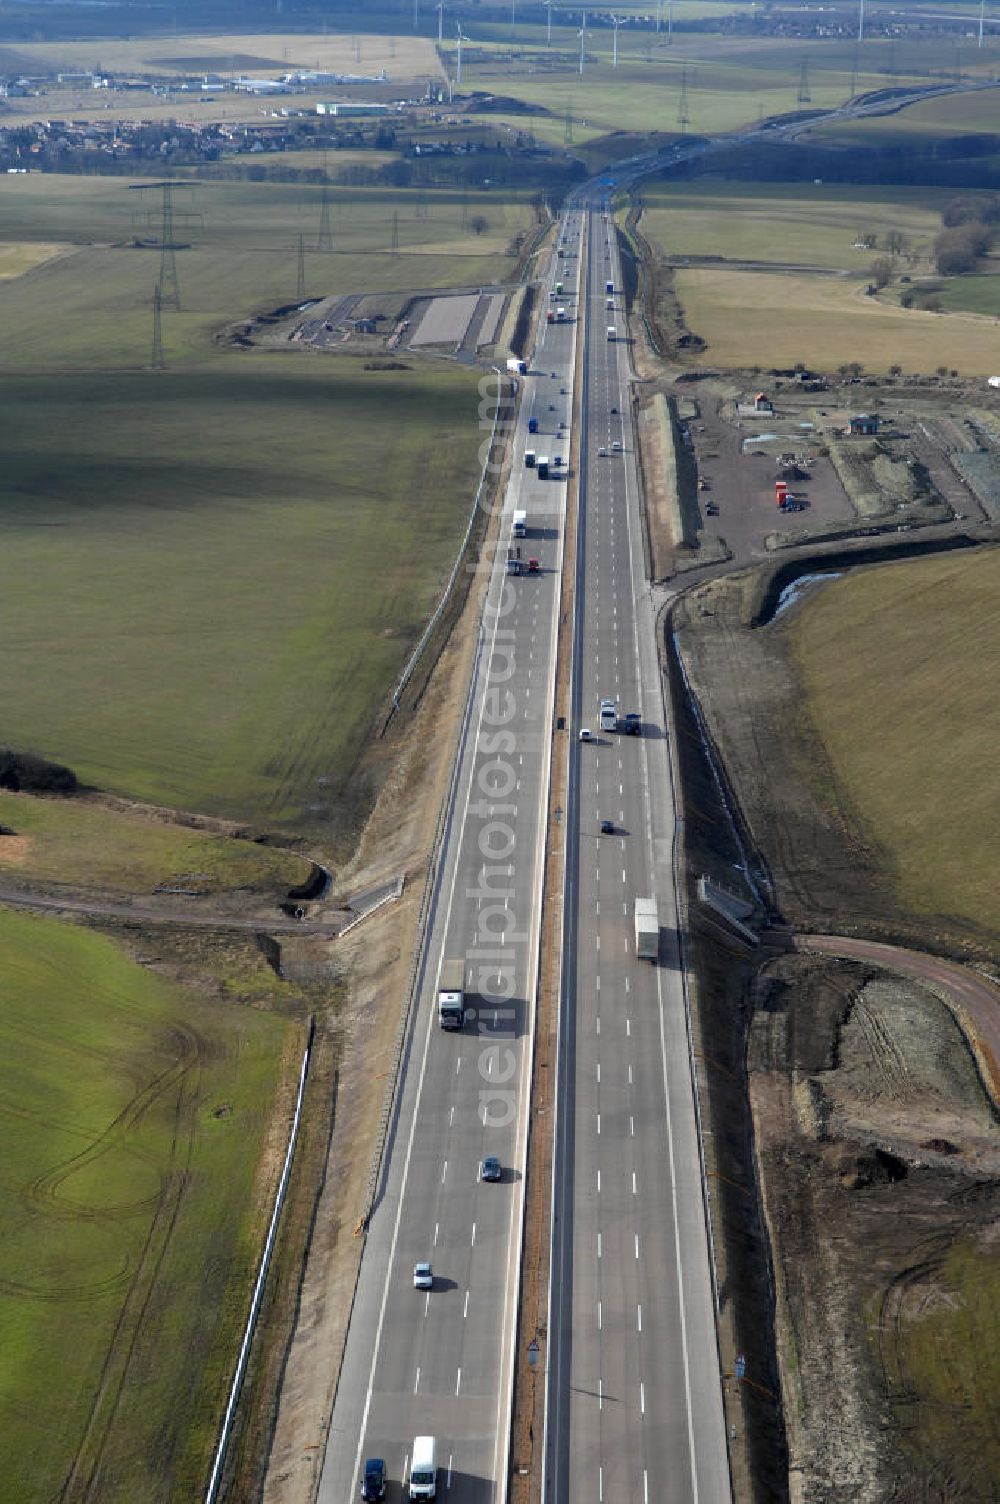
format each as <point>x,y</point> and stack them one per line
<point>423,1468</point>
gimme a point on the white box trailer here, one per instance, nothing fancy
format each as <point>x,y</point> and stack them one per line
<point>647,929</point>
<point>451,993</point>
<point>612,332</point>
<point>520,524</point>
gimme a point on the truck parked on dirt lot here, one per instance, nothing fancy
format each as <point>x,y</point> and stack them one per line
<point>451,994</point>
<point>647,929</point>
<point>517,367</point>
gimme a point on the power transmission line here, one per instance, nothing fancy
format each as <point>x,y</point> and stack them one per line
<point>156,360</point>
<point>683,113</point>
<point>168,288</point>
<point>804,96</point>
<point>324,241</point>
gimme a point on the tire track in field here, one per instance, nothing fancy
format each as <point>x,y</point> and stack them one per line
<point>83,1480</point>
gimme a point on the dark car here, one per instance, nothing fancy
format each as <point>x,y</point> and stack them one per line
<point>607,827</point>
<point>373,1482</point>
<point>489,1168</point>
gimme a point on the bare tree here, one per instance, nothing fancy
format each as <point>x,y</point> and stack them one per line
<point>880,271</point>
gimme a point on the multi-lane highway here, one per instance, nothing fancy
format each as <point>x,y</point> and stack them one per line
<point>439,1362</point>
<point>633,1403</point>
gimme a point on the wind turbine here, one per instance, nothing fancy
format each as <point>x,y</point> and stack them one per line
<point>548,28</point>
<point>861,20</point>
<point>513,16</point>
<point>440,11</point>
<point>982,16</point>
<point>583,38</point>
<point>616,22</point>
<point>416,14</point>
<point>659,15</point>
<point>461,39</point>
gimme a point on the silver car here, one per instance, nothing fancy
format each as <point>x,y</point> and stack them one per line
<point>423,1277</point>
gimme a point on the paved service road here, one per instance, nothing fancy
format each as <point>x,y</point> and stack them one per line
<point>634,1405</point>
<point>439,1362</point>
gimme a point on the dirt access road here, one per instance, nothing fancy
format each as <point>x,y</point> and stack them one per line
<point>974,999</point>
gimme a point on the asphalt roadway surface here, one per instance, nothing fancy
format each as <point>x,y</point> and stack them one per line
<point>634,1399</point>
<point>634,1405</point>
<point>439,1363</point>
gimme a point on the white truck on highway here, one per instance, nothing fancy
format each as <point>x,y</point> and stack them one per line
<point>520,525</point>
<point>608,716</point>
<point>451,994</point>
<point>647,929</point>
<point>612,332</point>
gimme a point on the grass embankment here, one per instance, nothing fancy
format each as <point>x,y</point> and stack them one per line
<point>135,1114</point>
<point>83,844</point>
<point>92,307</point>
<point>209,582</point>
<point>898,666</point>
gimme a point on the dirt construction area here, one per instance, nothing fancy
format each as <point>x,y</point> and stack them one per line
<point>877,1154</point>
<point>863,1292</point>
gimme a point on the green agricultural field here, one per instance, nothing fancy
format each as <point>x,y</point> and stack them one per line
<point>267,55</point>
<point>769,319</point>
<point>728,82</point>
<point>802,224</point>
<point>80,842</point>
<point>209,580</point>
<point>92,306</point>
<point>978,293</point>
<point>135,1114</point>
<point>914,650</point>
<point>946,115</point>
